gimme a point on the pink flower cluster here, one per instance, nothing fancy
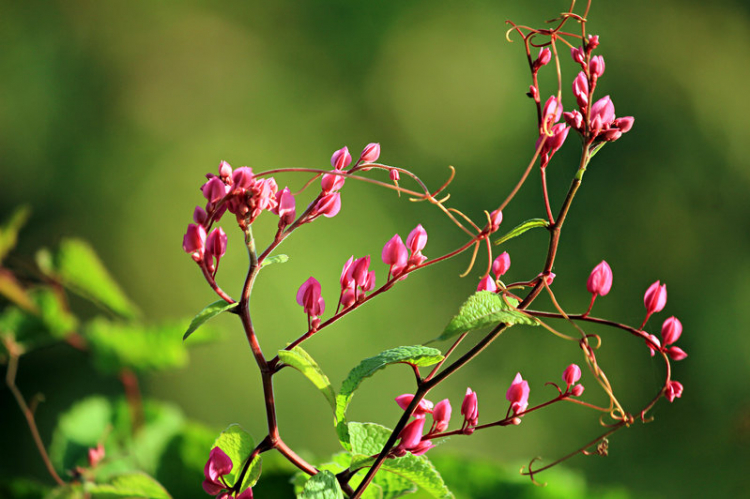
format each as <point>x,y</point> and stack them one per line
<point>500,266</point>
<point>518,396</point>
<point>396,254</point>
<point>217,466</point>
<point>602,123</point>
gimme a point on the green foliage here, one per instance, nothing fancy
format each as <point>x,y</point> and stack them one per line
<point>485,309</point>
<point>77,267</point>
<point>322,486</point>
<point>117,345</point>
<point>300,360</point>
<point>274,259</point>
<point>520,229</point>
<point>207,313</point>
<point>131,485</point>
<point>417,355</point>
<point>11,289</point>
<point>368,439</point>
<point>10,228</point>
<point>81,427</point>
<point>238,445</point>
<point>49,322</point>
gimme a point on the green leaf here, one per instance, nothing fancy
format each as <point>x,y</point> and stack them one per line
<point>207,313</point>
<point>301,361</point>
<point>131,485</point>
<point>77,267</point>
<point>9,230</point>
<point>484,309</point>
<point>368,439</point>
<point>238,445</point>
<point>118,345</point>
<point>274,259</point>
<point>51,321</point>
<point>78,429</point>
<point>417,355</point>
<point>162,423</point>
<point>70,491</point>
<point>520,229</point>
<point>13,291</point>
<point>322,486</point>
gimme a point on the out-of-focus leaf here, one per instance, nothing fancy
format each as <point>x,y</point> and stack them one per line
<point>51,322</point>
<point>13,291</point>
<point>484,309</point>
<point>9,230</point>
<point>520,229</point>
<point>131,485</point>
<point>417,355</point>
<point>207,313</point>
<point>72,491</point>
<point>162,423</point>
<point>300,360</point>
<point>77,267</point>
<point>322,486</point>
<point>368,439</point>
<point>22,488</point>
<point>78,429</point>
<point>274,259</point>
<point>238,445</point>
<point>118,345</point>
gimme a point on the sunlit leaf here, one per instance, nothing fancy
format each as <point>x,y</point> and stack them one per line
<point>238,445</point>
<point>11,289</point>
<point>300,360</point>
<point>132,485</point>
<point>520,229</point>
<point>322,486</point>
<point>274,259</point>
<point>207,313</point>
<point>9,230</point>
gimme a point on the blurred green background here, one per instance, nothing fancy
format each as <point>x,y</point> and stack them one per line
<point>112,112</point>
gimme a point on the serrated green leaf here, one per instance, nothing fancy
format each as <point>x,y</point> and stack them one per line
<point>117,345</point>
<point>207,313</point>
<point>9,230</point>
<point>322,486</point>
<point>77,267</point>
<point>368,439</point>
<point>520,229</point>
<point>238,445</point>
<point>418,355</point>
<point>484,309</point>
<point>300,360</point>
<point>274,259</point>
<point>131,485</point>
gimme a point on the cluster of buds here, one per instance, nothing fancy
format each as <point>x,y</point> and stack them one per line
<point>570,376</point>
<point>356,279</point>
<point>401,257</point>
<point>500,266</point>
<point>217,466</point>
<point>518,396</point>
<point>552,135</point>
<point>602,123</point>
<point>310,299</point>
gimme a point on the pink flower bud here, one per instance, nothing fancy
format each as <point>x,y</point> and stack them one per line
<point>593,42</point>
<point>308,296</point>
<point>501,264</point>
<point>548,278</point>
<point>544,57</point>
<point>417,239</point>
<point>655,298</point>
<point>394,175</point>
<point>611,134</point>
<point>341,158</point>
<point>676,353</point>
<point>533,92</point>
<point>194,241</point>
<point>571,375</point>
<point>346,279</point>
<point>411,435</point>
<point>654,341</point>
<point>496,218</point>
<point>331,182</point>
<point>574,119</point>
<point>487,283</point>
<point>328,205</point>
<point>600,279</point>
<point>604,110</point>
<point>218,465</point>
<point>577,391</point>
<point>422,447</point>
<point>96,454</point>
<point>551,113</point>
<point>624,124</point>
<point>216,243</point>
<point>673,390</point>
<point>470,408</point>
<point>243,178</point>
<point>360,270</point>
<point>395,255</point>
<point>247,494</point>
<point>518,394</point>
<point>671,330</point>
<point>441,416</point>
<point>225,170</point>
<point>285,207</point>
<point>424,406</point>
<point>596,66</point>
<point>214,190</point>
<point>370,153</point>
<point>578,55</point>
<point>581,90</point>
<point>200,216</point>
